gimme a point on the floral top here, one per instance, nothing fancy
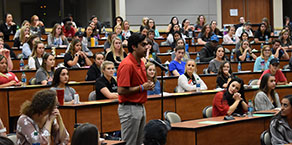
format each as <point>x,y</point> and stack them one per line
<point>26,128</point>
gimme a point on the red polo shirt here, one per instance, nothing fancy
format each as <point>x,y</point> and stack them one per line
<point>131,74</point>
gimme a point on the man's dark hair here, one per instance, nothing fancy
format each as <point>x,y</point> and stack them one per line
<point>276,40</point>
<point>134,40</point>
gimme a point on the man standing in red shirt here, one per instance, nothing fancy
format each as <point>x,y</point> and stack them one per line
<point>132,89</point>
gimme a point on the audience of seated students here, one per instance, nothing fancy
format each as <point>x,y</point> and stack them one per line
<point>7,54</point>
<point>97,23</point>
<point>117,21</point>
<point>94,70</point>
<point>278,51</point>
<point>126,32</point>
<point>41,117</point>
<point>144,30</point>
<point>285,39</point>
<point>275,71</point>
<point>214,28</point>
<point>187,82</point>
<point>94,29</point>
<point>155,132</point>
<point>231,100</point>
<point>243,37</point>
<point>246,27</point>
<point>244,53</point>
<point>24,34</point>
<point>106,86</point>
<point>56,37</point>
<point>86,134</point>
<point>84,48</point>
<point>60,81</point>
<point>262,35</point>
<point>68,29</point>
<point>180,42</point>
<point>152,76</point>
<point>116,53</point>
<point>177,66</point>
<point>88,34</point>
<point>262,62</point>
<point>24,23</point>
<point>151,25</point>
<point>187,29</point>
<point>270,29</point>
<point>205,35</point>
<point>108,42</point>
<point>75,57</point>
<point>35,61</point>
<point>151,36</point>
<point>36,26</point>
<point>2,129</point>
<point>241,22</point>
<point>27,46</point>
<point>6,78</point>
<point>170,36</point>
<point>280,127</point>
<point>144,22</point>
<point>173,21</point>
<point>267,98</point>
<point>150,52</point>
<point>224,75</point>
<point>230,37</point>
<point>207,53</point>
<point>200,23</point>
<point>8,27</point>
<point>44,75</point>
<point>218,60</point>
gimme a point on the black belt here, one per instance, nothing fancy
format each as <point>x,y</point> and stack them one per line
<point>131,103</point>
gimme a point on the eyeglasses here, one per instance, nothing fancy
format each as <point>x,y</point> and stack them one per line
<point>144,44</point>
<point>267,50</point>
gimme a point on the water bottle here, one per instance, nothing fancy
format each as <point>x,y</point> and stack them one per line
<point>21,64</point>
<point>198,85</point>
<point>166,66</point>
<point>106,34</point>
<point>193,41</point>
<point>250,108</point>
<point>103,29</point>
<point>232,57</point>
<point>23,79</point>
<point>247,57</point>
<point>190,34</point>
<point>187,47</point>
<point>96,41</point>
<point>35,139</point>
<point>224,30</point>
<point>239,67</point>
<point>263,65</point>
<point>76,98</point>
<point>262,45</point>
<point>233,38</point>
<point>267,38</point>
<point>154,55</point>
<point>198,57</point>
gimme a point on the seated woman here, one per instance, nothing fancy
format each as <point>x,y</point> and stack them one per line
<point>118,31</point>
<point>36,26</point>
<point>187,81</point>
<point>173,21</point>
<point>285,39</point>
<point>7,26</point>
<point>176,36</point>
<point>144,22</point>
<point>24,34</point>
<point>126,32</point>
<point>27,46</point>
<point>40,116</point>
<point>2,129</point>
<point>151,25</point>
<point>187,29</point>
<point>200,23</point>
<point>117,53</point>
<point>117,21</point>
<point>262,62</point>
<point>224,75</point>
<point>170,36</point>
<point>7,53</point>
<point>106,86</point>
<point>230,37</point>
<point>94,70</point>
<point>144,30</point>
<point>45,73</point>
<point>205,35</point>
<point>60,81</point>
<point>85,134</point>
<point>280,127</point>
<point>262,35</point>
<point>150,52</point>
<point>177,66</point>
<point>180,42</point>
<point>245,53</point>
<point>231,100</point>
<point>108,42</point>
<point>36,59</point>
<point>76,58</point>
<point>217,61</point>
<point>88,34</point>
<point>151,75</point>
<point>267,98</point>
<point>56,37</point>
<point>25,23</point>
<point>243,36</point>
<point>214,28</point>
<point>6,78</point>
<point>151,35</point>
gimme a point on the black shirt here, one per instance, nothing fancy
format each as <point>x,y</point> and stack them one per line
<point>93,73</point>
<point>261,36</point>
<point>7,32</point>
<point>68,56</point>
<point>102,82</point>
<point>110,57</point>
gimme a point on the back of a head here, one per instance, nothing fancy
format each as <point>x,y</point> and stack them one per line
<point>85,134</point>
<point>155,132</point>
<point>5,141</point>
